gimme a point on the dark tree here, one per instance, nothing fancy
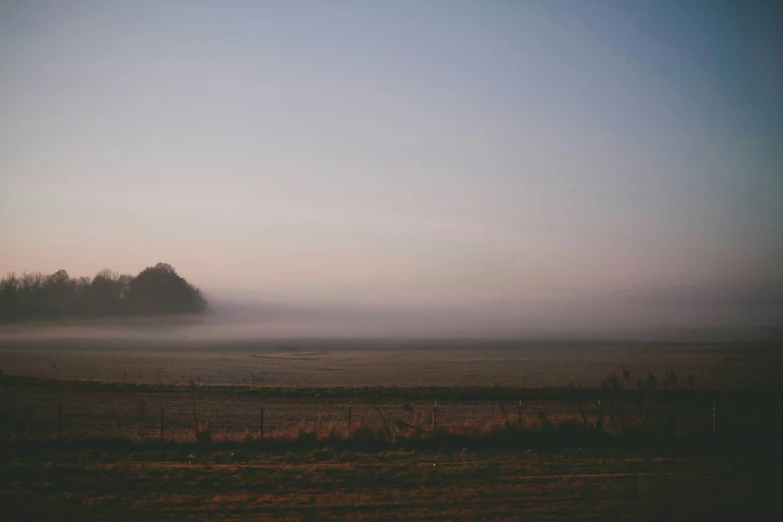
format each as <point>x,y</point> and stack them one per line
<point>160,290</point>
<point>156,290</point>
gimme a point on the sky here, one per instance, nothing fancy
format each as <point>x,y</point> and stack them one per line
<point>513,156</point>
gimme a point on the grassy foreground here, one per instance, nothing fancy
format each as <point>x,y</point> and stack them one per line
<point>181,483</point>
<point>303,418</point>
<point>607,453</point>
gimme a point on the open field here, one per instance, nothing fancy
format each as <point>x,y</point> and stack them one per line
<point>386,363</point>
<point>659,454</point>
<point>694,483</point>
<point>87,408</point>
<point>312,465</point>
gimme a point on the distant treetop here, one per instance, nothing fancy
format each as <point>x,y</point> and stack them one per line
<point>156,290</point>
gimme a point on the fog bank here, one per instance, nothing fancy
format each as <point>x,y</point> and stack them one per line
<point>733,313</point>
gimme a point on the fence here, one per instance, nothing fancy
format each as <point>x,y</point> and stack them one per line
<point>50,412</point>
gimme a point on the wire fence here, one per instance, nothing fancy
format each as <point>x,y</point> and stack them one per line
<point>49,413</point>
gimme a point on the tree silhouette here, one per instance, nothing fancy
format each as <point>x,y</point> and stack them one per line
<point>160,290</point>
<point>156,290</point>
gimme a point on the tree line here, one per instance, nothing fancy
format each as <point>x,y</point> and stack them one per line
<point>155,290</point>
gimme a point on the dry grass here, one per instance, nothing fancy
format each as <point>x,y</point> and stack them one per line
<point>363,363</point>
<point>567,456</point>
<point>220,415</point>
<point>243,484</point>
<point>370,435</point>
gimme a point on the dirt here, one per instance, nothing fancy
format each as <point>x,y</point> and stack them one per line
<point>725,481</point>
<point>706,484</point>
<point>387,363</point>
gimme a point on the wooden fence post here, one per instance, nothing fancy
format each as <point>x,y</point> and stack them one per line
<point>714,418</point>
<point>261,424</point>
<point>161,423</point>
<point>435,415</point>
<point>60,419</point>
<point>519,415</point>
<point>11,404</point>
<point>599,416</point>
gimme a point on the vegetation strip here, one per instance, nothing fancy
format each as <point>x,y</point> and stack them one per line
<point>373,393</point>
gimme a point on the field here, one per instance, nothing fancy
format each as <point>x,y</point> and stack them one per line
<point>350,431</point>
<point>291,362</point>
<point>696,483</point>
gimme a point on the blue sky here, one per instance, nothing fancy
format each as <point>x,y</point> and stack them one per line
<point>436,153</point>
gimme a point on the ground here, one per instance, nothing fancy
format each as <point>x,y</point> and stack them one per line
<point>713,483</point>
<point>385,363</point>
<point>706,478</point>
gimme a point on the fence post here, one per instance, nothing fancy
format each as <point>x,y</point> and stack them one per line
<point>349,414</point>
<point>60,419</point>
<point>261,424</point>
<point>11,404</point>
<point>435,415</point>
<point>161,423</point>
<point>519,415</point>
<point>599,416</point>
<point>714,418</point>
